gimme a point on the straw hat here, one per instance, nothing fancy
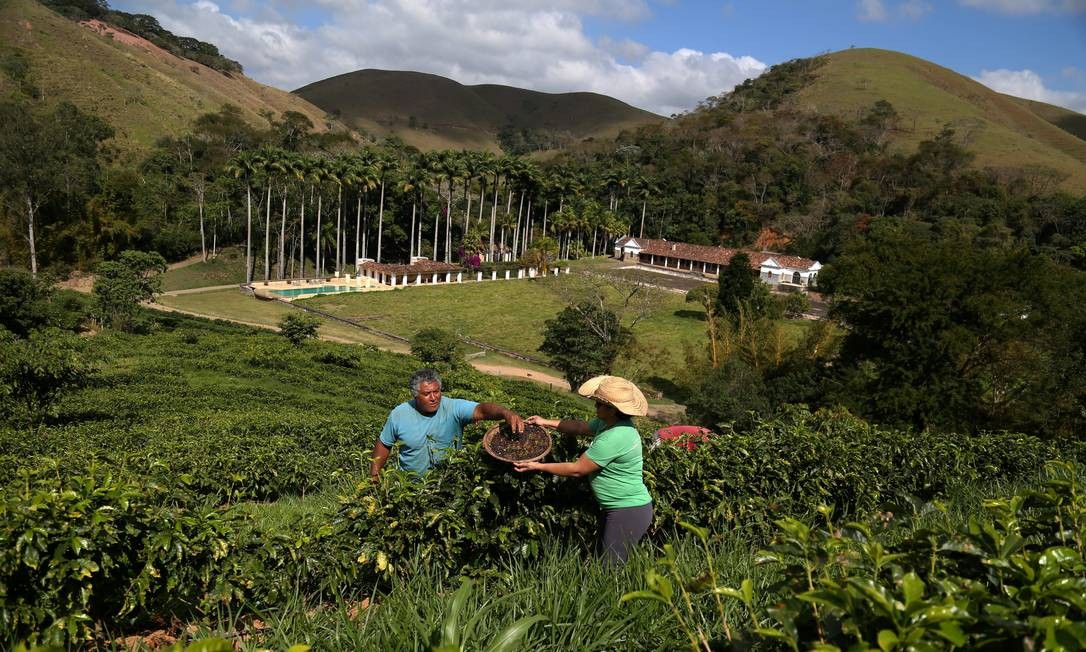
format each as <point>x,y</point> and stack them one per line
<point>623,395</point>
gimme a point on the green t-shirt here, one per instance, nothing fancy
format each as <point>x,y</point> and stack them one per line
<point>617,450</point>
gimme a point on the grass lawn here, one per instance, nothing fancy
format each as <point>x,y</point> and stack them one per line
<point>234,305</point>
<point>511,315</point>
<point>226,268</point>
<point>508,314</point>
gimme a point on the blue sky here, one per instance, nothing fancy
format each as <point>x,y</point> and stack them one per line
<point>662,55</point>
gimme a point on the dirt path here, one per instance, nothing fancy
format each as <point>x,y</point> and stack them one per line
<point>516,372</point>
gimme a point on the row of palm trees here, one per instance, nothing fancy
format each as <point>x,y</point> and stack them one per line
<point>318,190</point>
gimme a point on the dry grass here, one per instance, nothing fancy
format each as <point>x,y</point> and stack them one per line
<point>1003,133</point>
<point>143,91</point>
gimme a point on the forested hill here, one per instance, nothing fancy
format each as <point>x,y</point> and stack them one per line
<point>433,112</point>
<point>144,91</point>
<point>1001,132</point>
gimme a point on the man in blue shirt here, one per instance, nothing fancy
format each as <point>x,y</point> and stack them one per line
<point>428,425</point>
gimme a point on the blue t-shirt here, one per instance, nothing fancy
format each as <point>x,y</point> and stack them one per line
<point>426,438</point>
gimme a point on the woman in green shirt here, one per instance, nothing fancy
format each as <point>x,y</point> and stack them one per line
<point>612,462</point>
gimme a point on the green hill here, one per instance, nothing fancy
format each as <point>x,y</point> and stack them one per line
<point>142,90</point>
<point>432,112</point>
<point>1071,122</point>
<point>1004,132</point>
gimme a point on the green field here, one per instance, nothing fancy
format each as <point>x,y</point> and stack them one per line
<point>510,315</point>
<point>212,480</point>
<point>225,269</point>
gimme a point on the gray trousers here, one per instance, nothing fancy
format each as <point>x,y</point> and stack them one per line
<point>620,529</point>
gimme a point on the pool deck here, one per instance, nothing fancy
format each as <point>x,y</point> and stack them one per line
<point>271,289</point>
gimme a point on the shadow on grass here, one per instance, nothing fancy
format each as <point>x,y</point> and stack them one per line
<point>668,388</point>
<point>691,314</point>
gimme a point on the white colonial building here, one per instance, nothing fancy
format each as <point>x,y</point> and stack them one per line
<point>774,269</point>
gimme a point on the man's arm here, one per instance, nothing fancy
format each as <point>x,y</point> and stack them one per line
<point>493,412</point>
<point>380,456</point>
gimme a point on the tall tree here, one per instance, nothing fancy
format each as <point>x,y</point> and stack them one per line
<point>41,157</point>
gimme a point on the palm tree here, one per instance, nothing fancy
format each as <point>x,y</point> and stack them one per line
<point>365,180</point>
<point>247,165</point>
<point>274,165</point>
<point>414,179</point>
<point>318,174</point>
<point>384,165</point>
<point>498,167</point>
<point>644,188</point>
<point>289,165</point>
<point>302,170</point>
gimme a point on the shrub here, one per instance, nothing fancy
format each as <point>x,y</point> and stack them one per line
<point>795,304</point>
<point>119,286</point>
<point>1008,579</point>
<point>24,302</point>
<point>583,341</point>
<point>705,292</point>
<point>436,346</point>
<point>35,371</point>
<point>299,327</point>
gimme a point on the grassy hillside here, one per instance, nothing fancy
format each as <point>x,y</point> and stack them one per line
<point>1004,132</point>
<point>142,90</point>
<point>431,112</point>
<point>1071,122</point>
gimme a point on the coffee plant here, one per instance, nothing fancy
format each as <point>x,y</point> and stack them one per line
<point>1012,578</point>
<point>134,501</point>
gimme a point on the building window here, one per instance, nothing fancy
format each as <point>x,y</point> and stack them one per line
<point>796,279</point>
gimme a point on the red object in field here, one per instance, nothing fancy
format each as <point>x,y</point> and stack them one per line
<point>686,436</point>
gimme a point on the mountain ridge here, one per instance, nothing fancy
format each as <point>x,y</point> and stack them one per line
<point>427,110</point>
<point>142,90</point>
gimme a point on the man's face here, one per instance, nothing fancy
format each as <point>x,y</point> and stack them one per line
<point>428,397</point>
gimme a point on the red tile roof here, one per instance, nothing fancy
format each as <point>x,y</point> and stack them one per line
<point>417,267</point>
<point>714,255</point>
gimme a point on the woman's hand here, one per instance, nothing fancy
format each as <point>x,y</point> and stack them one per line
<point>537,420</point>
<point>521,467</point>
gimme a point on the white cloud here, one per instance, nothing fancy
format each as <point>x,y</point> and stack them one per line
<point>1028,84</point>
<point>1022,7</point>
<point>914,9</point>
<point>873,11</point>
<point>536,44</point>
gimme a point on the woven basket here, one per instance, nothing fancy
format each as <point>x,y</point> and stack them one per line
<point>488,445</point>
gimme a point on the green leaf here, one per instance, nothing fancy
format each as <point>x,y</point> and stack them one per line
<point>450,630</point>
<point>875,593</point>
<point>210,645</point>
<point>700,532</point>
<point>643,595</point>
<point>508,639</point>
<point>659,584</point>
<point>888,640</point>
<point>747,587</point>
<point>952,632</point>
<point>826,597</point>
<point>913,587</point>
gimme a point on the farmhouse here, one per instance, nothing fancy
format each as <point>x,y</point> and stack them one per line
<point>786,272</point>
<point>419,272</point>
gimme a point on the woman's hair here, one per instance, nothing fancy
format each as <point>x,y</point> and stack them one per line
<point>423,376</point>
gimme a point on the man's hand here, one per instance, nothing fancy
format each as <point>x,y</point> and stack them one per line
<point>516,424</point>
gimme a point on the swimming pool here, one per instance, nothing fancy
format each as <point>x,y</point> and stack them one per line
<point>322,289</point>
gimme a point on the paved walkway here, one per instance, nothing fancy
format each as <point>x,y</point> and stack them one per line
<point>210,288</point>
